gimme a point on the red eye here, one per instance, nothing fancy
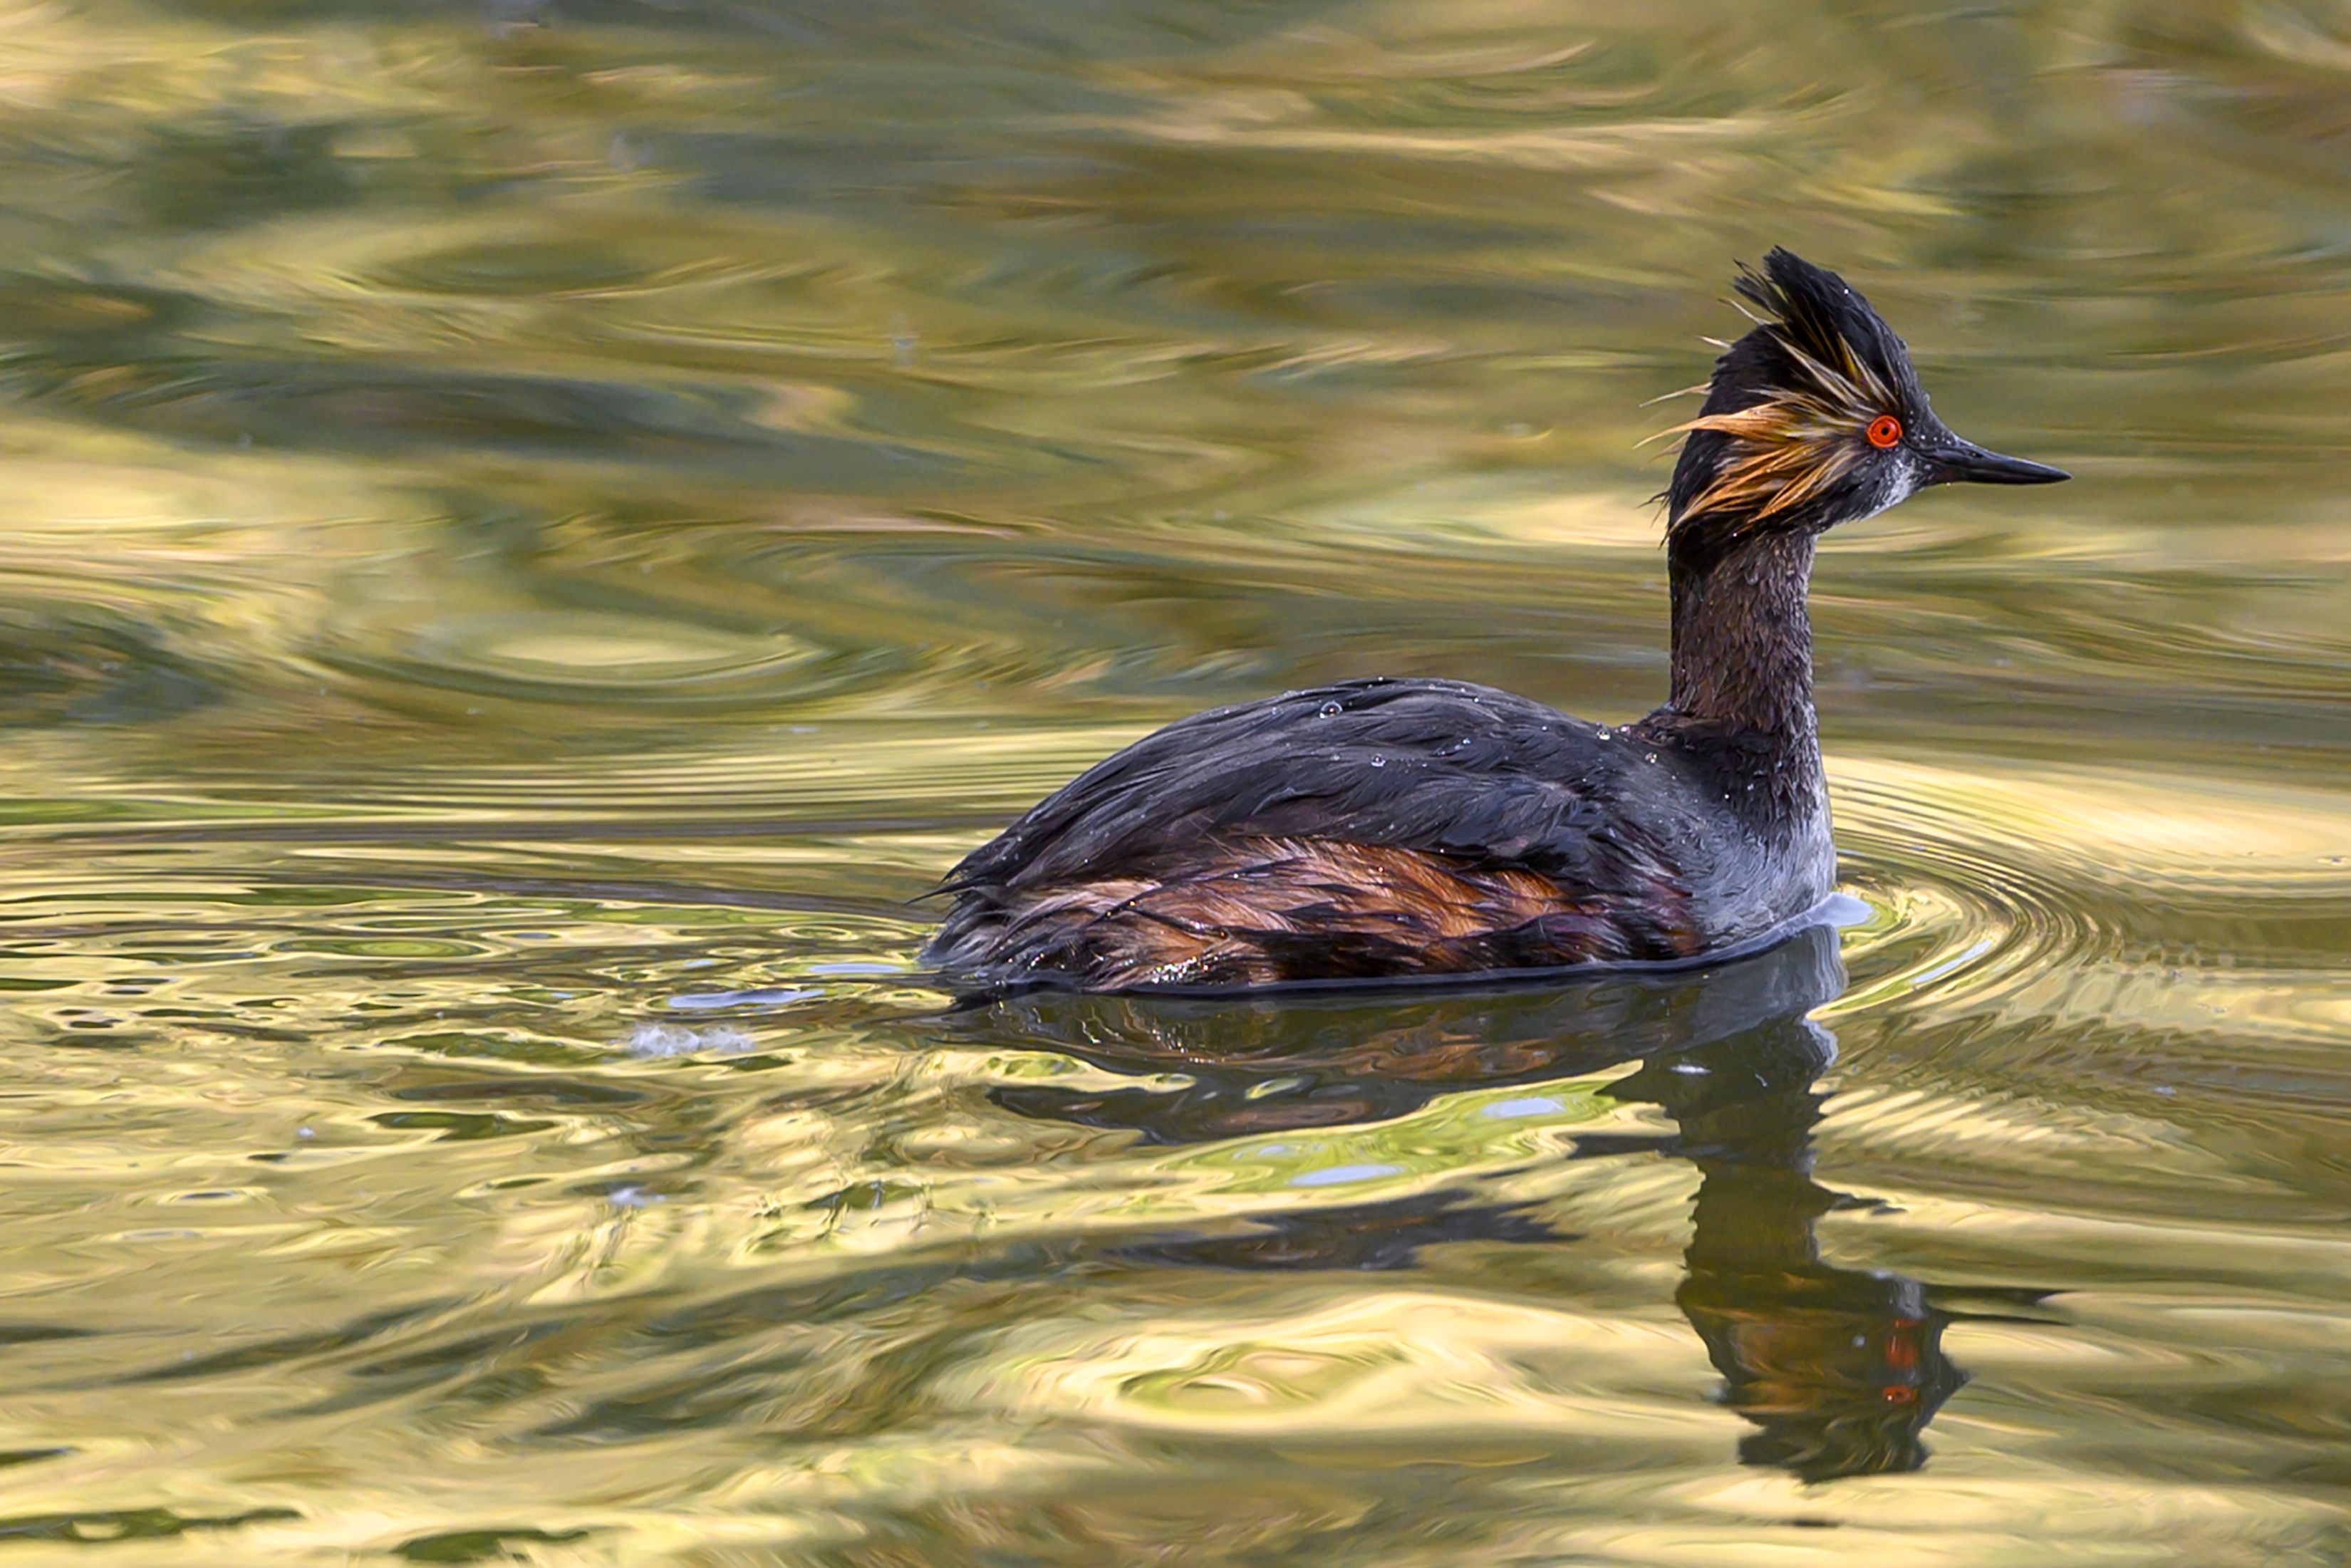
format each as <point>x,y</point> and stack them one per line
<point>1884,431</point>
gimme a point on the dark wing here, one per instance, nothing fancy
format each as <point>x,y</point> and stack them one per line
<point>1465,771</point>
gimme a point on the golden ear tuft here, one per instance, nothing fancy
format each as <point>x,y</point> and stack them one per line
<point>1799,441</point>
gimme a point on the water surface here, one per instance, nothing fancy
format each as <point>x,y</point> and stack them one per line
<point>531,531</point>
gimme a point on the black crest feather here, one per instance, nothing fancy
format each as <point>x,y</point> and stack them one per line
<point>1823,316</point>
<point>1780,435</point>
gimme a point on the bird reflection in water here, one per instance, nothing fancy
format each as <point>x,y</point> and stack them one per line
<point>1839,1369</point>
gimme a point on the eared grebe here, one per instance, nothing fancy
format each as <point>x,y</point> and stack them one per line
<point>1385,828</point>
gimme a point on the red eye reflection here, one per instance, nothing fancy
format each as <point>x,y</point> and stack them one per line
<point>1884,431</point>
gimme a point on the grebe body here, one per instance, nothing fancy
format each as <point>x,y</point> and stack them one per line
<point>1381,829</point>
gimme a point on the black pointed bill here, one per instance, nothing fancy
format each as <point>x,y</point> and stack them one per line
<point>1963,462</point>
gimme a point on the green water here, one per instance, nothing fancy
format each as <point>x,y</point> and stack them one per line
<point>527,534</point>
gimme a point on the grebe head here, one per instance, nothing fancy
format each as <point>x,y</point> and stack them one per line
<point>1815,418</point>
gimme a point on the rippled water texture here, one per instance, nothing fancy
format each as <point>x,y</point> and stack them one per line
<point>528,532</point>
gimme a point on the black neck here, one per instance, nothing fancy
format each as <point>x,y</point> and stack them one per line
<point>1742,640</point>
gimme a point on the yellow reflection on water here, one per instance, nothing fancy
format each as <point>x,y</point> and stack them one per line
<point>531,533</point>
